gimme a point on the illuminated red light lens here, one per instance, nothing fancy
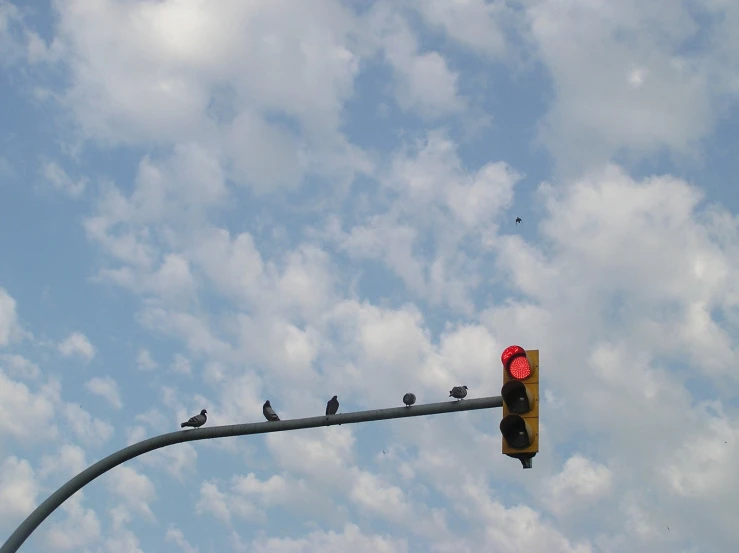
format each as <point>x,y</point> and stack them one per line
<point>519,368</point>
<point>515,360</point>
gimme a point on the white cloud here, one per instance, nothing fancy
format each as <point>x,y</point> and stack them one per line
<point>351,538</point>
<point>213,502</point>
<point>179,460</point>
<point>377,497</point>
<point>192,83</point>
<point>27,414</point>
<point>144,361</point>
<point>176,536</point>
<point>473,23</point>
<point>597,111</point>
<point>68,462</point>
<point>8,318</point>
<point>322,453</point>
<point>60,180</point>
<point>424,82</point>
<point>18,488</point>
<point>181,364</point>
<point>11,47</point>
<point>122,541</point>
<point>86,427</point>
<point>198,337</point>
<point>80,529</point>
<point>20,367</point>
<point>630,277</point>
<point>107,388</point>
<point>435,199</point>
<point>581,483</point>
<point>135,489</point>
<point>77,344</point>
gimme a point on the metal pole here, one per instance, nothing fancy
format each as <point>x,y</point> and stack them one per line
<point>56,499</point>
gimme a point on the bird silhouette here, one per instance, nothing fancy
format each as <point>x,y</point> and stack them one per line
<point>197,421</point>
<point>458,392</point>
<point>269,413</point>
<point>518,220</point>
<point>332,406</point>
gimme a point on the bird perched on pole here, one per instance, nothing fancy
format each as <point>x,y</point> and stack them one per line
<point>197,421</point>
<point>269,413</point>
<point>409,399</point>
<point>458,391</point>
<point>332,406</point>
<point>518,220</point>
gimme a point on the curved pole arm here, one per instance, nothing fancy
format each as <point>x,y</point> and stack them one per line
<point>56,499</point>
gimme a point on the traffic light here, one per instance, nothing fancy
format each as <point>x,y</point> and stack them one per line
<point>520,393</point>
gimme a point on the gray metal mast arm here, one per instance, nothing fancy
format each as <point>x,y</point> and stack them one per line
<point>56,499</point>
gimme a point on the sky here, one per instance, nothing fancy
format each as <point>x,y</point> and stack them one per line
<point>205,205</point>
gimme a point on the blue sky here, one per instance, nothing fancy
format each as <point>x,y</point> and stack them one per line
<point>211,204</point>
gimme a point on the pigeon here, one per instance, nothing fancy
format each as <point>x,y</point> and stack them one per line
<point>332,406</point>
<point>269,413</point>
<point>458,391</point>
<point>518,220</point>
<point>197,421</point>
<point>409,399</point>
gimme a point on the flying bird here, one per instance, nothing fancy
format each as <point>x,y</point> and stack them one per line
<point>269,413</point>
<point>409,399</point>
<point>332,406</point>
<point>518,220</point>
<point>458,391</point>
<point>197,421</point>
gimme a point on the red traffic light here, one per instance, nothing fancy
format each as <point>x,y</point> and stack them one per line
<point>515,362</point>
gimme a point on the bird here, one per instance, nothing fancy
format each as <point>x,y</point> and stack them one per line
<point>409,399</point>
<point>269,413</point>
<point>518,220</point>
<point>332,406</point>
<point>458,391</point>
<point>197,421</point>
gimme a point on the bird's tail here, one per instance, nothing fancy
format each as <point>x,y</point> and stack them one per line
<point>277,418</point>
<point>183,425</point>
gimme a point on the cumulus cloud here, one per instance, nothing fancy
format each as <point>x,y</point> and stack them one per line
<point>20,367</point>
<point>8,318</point>
<point>424,82</point>
<point>478,24</point>
<point>273,238</point>
<point>60,180</point>
<point>18,488</point>
<point>79,529</point>
<point>181,364</point>
<point>350,538</point>
<point>69,461</point>
<point>580,483</point>
<point>85,426</point>
<point>144,361</point>
<point>135,490</point>
<point>77,344</point>
<point>641,96</point>
<point>107,388</point>
<point>176,536</point>
<point>38,408</point>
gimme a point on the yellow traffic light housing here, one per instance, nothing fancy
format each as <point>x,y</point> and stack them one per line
<point>520,424</point>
